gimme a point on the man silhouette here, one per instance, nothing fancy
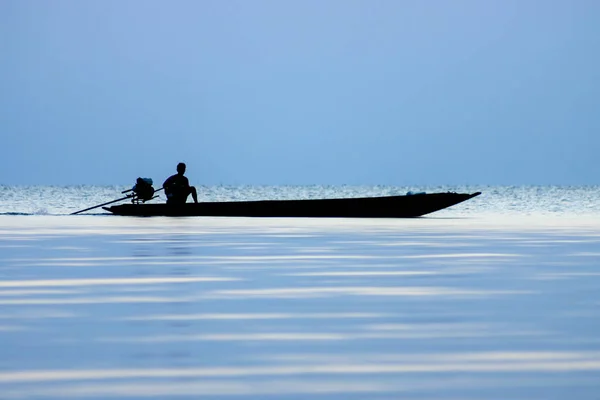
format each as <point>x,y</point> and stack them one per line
<point>177,187</point>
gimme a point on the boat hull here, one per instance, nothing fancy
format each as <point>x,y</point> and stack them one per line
<point>408,206</point>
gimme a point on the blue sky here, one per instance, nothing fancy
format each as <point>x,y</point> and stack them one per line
<point>395,92</point>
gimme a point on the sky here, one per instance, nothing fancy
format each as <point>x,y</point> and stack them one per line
<point>286,92</point>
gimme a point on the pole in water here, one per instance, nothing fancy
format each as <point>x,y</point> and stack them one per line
<point>103,204</point>
<point>129,196</point>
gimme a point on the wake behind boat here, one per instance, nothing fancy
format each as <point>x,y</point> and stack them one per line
<point>407,206</point>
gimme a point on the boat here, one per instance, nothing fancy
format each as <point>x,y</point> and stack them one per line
<point>405,206</point>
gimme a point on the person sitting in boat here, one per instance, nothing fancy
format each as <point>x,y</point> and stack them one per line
<point>177,187</point>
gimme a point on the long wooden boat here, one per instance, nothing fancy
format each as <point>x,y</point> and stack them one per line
<point>406,206</point>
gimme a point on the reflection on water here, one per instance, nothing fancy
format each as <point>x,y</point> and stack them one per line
<point>247,316</point>
<point>309,365</point>
<point>157,308</point>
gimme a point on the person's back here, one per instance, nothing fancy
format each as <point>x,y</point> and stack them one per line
<point>177,187</point>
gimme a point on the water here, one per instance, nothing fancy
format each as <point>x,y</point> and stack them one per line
<point>495,200</point>
<point>495,298</point>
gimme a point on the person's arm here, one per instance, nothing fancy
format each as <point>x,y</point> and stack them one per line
<point>167,182</point>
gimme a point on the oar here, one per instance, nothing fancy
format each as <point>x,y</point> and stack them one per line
<point>114,201</point>
<point>129,190</point>
<point>103,204</point>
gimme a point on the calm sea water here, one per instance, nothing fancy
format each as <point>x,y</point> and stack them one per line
<point>451,306</point>
<point>515,200</point>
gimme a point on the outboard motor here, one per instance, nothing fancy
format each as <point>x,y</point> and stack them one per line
<point>143,190</point>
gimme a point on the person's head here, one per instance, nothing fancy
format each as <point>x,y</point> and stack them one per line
<point>181,168</point>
